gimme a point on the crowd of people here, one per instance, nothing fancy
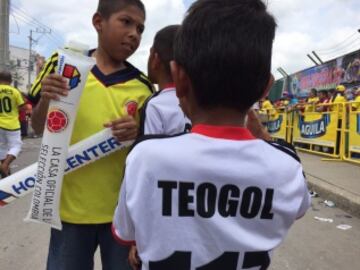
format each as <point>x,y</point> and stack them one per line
<point>321,100</point>
<point>195,191</point>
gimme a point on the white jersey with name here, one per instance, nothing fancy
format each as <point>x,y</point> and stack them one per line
<point>215,198</point>
<point>162,114</point>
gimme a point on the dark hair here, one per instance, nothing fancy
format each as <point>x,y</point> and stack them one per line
<point>225,47</point>
<point>164,44</point>
<point>5,76</point>
<point>313,90</point>
<point>107,7</point>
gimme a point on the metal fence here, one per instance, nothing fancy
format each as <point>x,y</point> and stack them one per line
<point>330,130</point>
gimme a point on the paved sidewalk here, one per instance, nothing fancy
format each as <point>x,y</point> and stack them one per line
<point>337,181</point>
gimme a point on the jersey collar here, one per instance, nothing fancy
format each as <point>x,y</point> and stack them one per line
<point>223,132</point>
<point>121,76</point>
<point>169,86</point>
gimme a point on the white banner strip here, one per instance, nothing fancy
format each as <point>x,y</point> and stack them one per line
<point>80,154</point>
<point>60,120</point>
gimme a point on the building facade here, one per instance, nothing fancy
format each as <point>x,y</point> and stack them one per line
<point>24,74</point>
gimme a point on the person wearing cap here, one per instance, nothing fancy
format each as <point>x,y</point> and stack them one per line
<point>286,99</point>
<point>339,98</point>
<point>338,102</point>
<point>356,104</point>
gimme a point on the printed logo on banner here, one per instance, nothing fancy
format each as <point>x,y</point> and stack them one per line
<point>72,73</point>
<point>57,121</point>
<point>275,125</point>
<point>314,129</point>
<point>131,107</point>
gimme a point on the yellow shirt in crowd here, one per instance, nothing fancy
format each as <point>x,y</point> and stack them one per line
<point>310,107</point>
<point>10,100</point>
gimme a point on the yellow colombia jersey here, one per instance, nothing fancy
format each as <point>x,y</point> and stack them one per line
<point>310,106</point>
<point>89,194</point>
<point>268,108</point>
<point>10,100</point>
<point>338,105</point>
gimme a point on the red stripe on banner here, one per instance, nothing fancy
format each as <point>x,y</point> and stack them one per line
<point>119,240</point>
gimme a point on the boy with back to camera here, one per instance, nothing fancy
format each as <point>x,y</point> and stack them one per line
<point>215,198</point>
<point>113,95</point>
<point>162,113</point>
<point>11,103</point>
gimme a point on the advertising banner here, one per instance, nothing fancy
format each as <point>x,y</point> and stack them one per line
<point>342,70</point>
<point>277,127</point>
<point>316,128</point>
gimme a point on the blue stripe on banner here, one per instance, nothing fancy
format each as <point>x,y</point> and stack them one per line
<point>358,123</point>
<point>4,195</point>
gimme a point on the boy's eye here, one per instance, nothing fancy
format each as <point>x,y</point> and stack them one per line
<point>140,29</point>
<point>125,21</point>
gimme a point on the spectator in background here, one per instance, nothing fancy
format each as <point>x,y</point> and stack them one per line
<point>293,100</point>
<point>286,101</point>
<point>282,103</point>
<point>353,92</point>
<point>267,110</point>
<point>11,102</point>
<point>323,100</point>
<point>24,116</point>
<point>311,101</point>
<point>338,101</point>
<point>339,98</point>
<point>301,104</point>
<point>331,93</point>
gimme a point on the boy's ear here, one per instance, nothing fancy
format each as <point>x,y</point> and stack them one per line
<point>181,79</point>
<point>156,60</point>
<point>268,87</point>
<point>97,22</point>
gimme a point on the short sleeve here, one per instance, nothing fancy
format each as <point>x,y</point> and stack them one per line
<point>123,227</point>
<point>49,68</point>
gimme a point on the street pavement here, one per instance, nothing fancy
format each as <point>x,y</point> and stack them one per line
<point>334,180</point>
<point>311,244</point>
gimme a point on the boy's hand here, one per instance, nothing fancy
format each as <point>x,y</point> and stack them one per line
<point>123,129</point>
<point>53,87</point>
<point>256,127</point>
<point>134,259</point>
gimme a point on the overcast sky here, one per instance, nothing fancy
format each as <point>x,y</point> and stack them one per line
<point>327,26</point>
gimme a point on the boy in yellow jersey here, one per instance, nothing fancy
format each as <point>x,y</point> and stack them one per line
<point>11,102</point>
<point>113,95</point>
